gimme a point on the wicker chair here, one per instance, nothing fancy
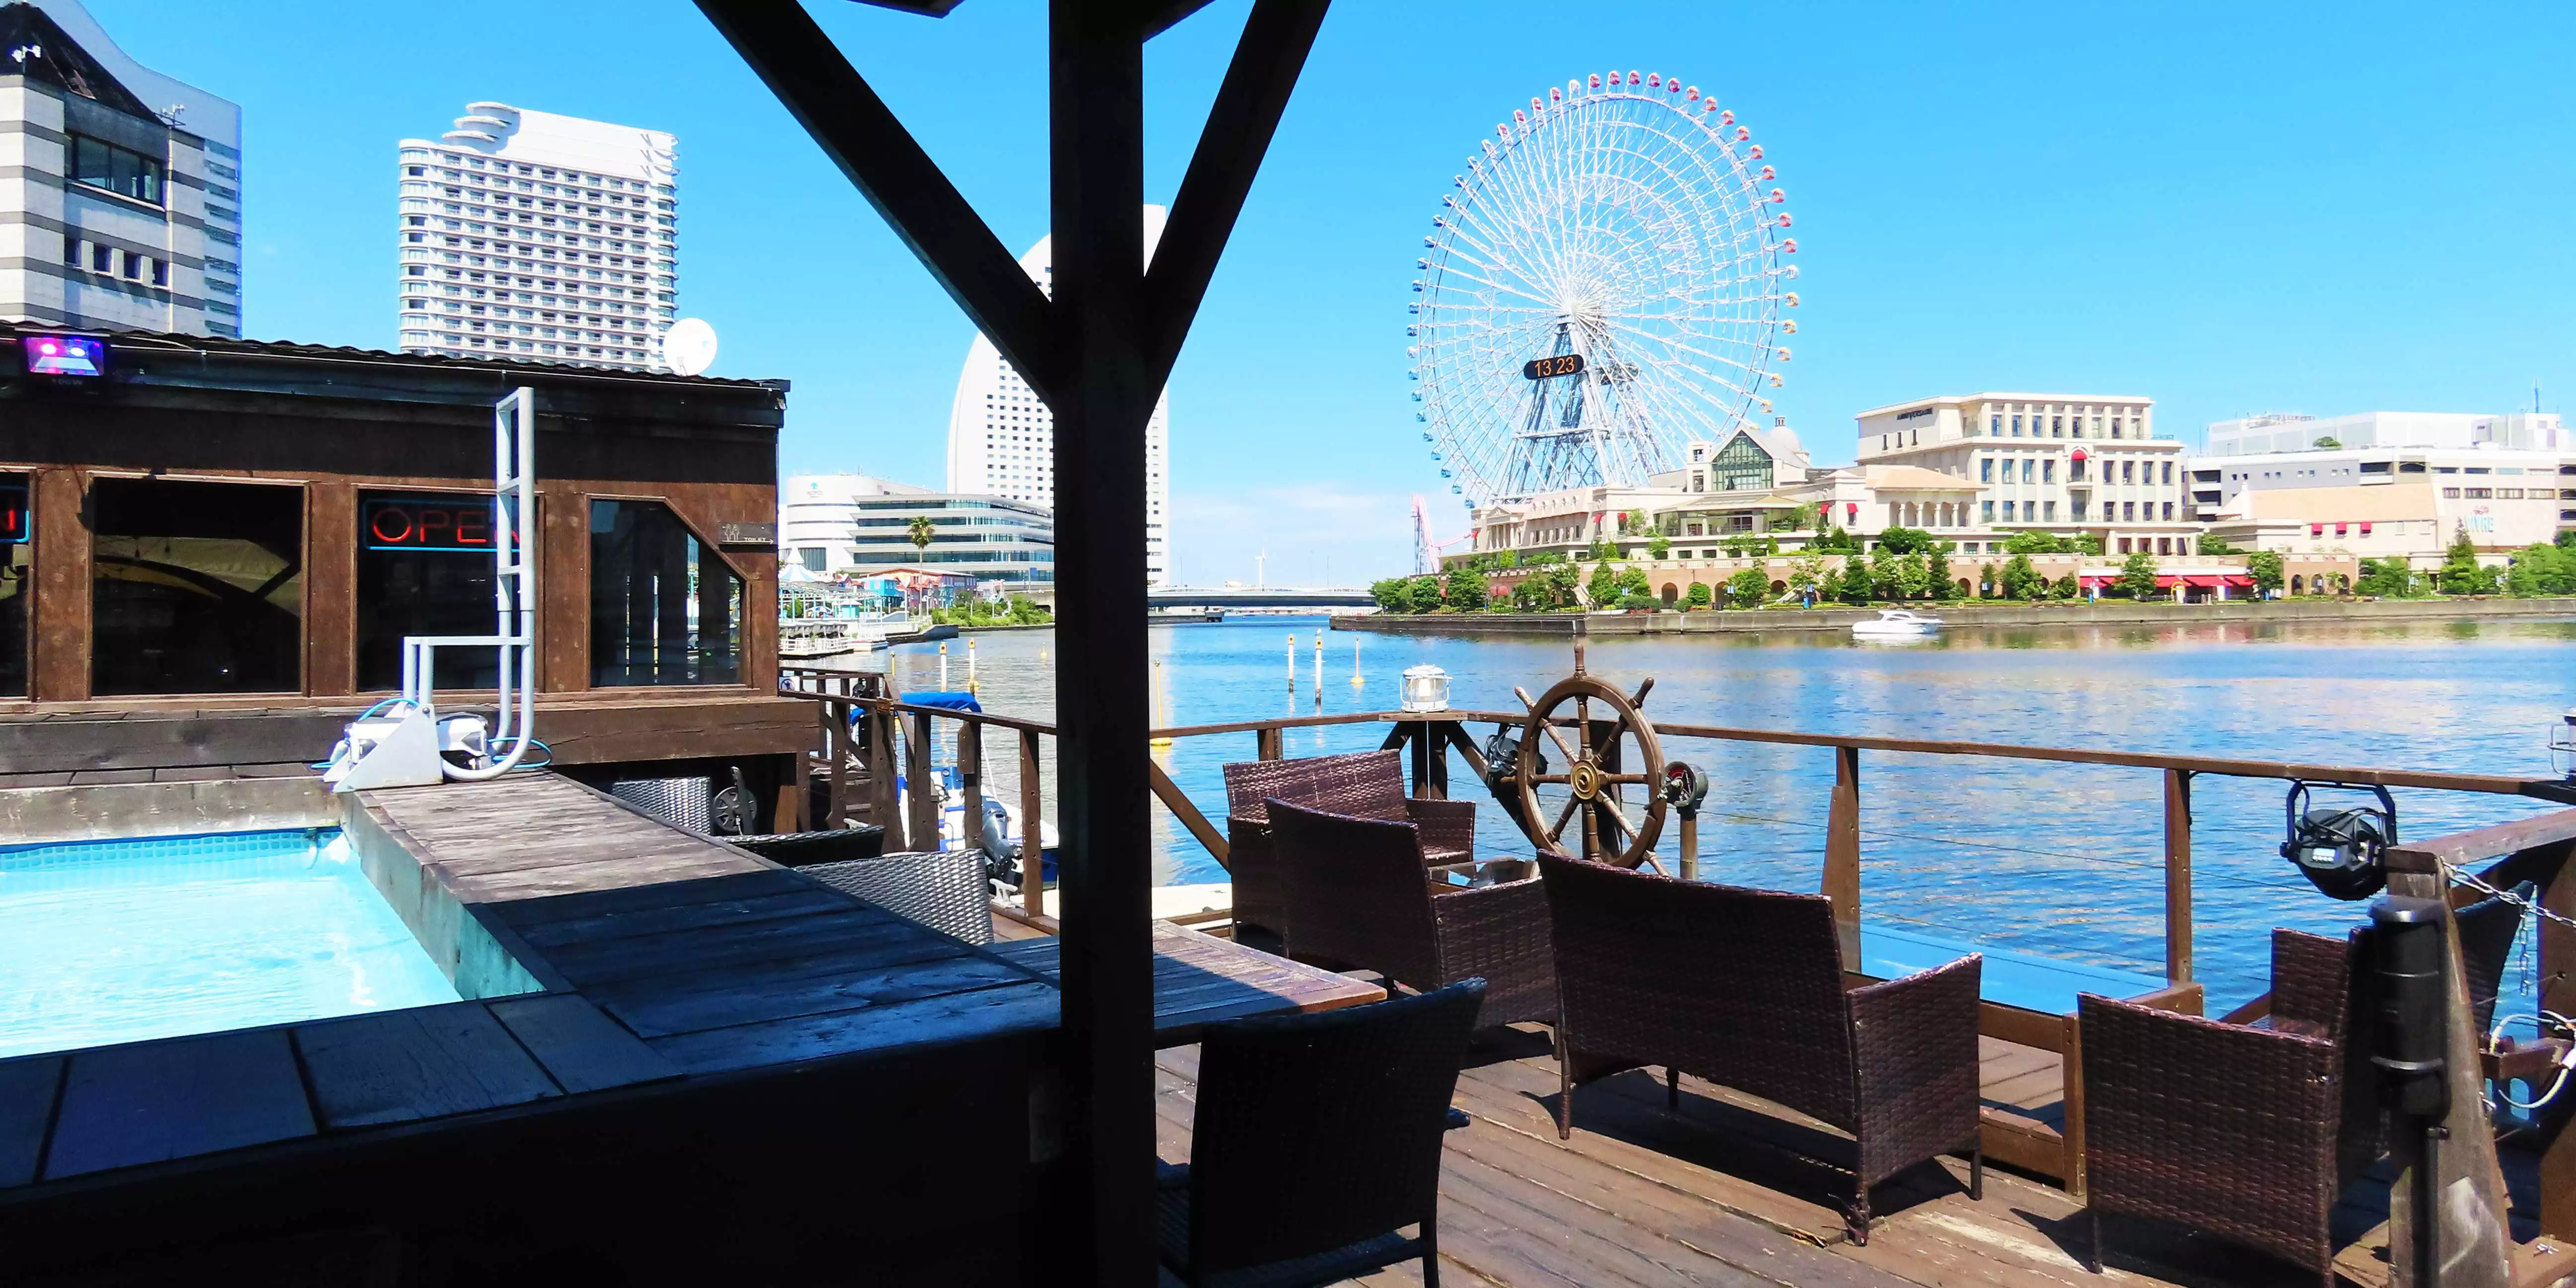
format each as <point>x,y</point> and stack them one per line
<point>1317,1140</point>
<point>1358,896</point>
<point>1367,784</point>
<point>1745,988</point>
<point>945,890</point>
<point>2248,1133</point>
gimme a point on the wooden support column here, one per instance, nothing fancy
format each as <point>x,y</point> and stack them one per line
<point>1032,827</point>
<point>1423,745</point>
<point>884,804</point>
<point>1268,744</point>
<point>921,799</point>
<point>1435,745</point>
<point>836,761</point>
<point>60,669</point>
<point>330,589</point>
<point>970,775</point>
<point>1842,853</point>
<point>2178,876</point>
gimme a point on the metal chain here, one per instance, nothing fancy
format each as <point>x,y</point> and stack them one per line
<point>2457,877</point>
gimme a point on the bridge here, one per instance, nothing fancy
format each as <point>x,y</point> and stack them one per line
<point>1258,597</point>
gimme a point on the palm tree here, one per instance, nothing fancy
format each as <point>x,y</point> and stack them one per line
<point>922,532</point>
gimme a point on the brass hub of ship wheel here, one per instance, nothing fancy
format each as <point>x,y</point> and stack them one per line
<point>1592,767</point>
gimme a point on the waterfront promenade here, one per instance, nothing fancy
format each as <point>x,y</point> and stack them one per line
<point>1960,613</point>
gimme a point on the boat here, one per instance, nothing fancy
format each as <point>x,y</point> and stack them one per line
<point>1897,624</point>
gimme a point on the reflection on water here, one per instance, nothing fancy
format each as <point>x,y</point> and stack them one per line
<point>2052,858</point>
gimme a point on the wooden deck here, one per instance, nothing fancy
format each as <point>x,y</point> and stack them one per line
<point>1733,1191</point>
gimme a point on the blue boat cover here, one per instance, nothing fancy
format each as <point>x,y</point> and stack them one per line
<point>936,698</point>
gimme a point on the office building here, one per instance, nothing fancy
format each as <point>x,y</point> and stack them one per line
<point>121,205</point>
<point>2063,463</point>
<point>859,525</point>
<point>544,238</point>
<point>2399,485</point>
<point>1001,436</point>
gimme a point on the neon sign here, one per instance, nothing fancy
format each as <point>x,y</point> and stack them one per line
<point>16,525</point>
<point>451,524</point>
<point>65,355</point>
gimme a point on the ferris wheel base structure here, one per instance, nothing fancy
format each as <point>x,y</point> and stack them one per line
<point>1608,281</point>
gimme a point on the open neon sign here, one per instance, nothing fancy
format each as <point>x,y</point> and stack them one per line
<point>456,524</point>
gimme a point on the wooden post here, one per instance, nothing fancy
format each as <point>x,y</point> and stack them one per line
<point>1032,828</point>
<point>2178,876</point>
<point>1420,736</point>
<point>2071,1066</point>
<point>836,761</point>
<point>882,798</point>
<point>1270,744</point>
<point>2557,993</point>
<point>1435,745</point>
<point>1842,853</point>
<point>921,799</point>
<point>1690,845</point>
<point>970,774</point>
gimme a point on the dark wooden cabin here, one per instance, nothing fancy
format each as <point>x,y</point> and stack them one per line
<point>213,549</point>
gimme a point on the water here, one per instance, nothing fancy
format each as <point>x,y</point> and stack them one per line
<point>118,941</point>
<point>2053,859</point>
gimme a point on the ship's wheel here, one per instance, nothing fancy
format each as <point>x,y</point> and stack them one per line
<point>1578,767</point>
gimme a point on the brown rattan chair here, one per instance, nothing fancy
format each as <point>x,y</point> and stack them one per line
<point>1317,1140</point>
<point>1745,988</point>
<point>1359,896</point>
<point>1367,784</point>
<point>2248,1133</point>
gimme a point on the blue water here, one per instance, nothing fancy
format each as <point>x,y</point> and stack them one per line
<point>2059,861</point>
<point>118,941</point>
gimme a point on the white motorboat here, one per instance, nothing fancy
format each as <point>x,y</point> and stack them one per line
<point>1897,624</point>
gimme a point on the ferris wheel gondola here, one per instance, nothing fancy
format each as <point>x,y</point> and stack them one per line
<point>1604,284</point>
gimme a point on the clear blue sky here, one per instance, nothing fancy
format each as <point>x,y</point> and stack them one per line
<point>2229,208</point>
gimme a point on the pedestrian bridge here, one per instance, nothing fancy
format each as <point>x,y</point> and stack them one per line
<point>1258,597</point>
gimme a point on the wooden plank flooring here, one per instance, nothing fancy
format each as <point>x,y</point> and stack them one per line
<point>1730,1192</point>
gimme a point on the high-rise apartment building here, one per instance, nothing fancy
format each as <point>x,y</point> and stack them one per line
<point>1001,437</point>
<point>541,237</point>
<point>120,203</point>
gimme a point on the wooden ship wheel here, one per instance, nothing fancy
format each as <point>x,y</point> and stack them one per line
<point>1596,761</point>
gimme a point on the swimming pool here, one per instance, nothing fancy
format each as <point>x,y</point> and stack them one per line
<point>118,941</point>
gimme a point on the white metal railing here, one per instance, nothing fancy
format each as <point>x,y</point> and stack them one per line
<point>514,598</point>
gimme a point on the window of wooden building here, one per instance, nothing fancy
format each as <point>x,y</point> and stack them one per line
<point>664,609</point>
<point>17,546</point>
<point>196,587</point>
<point>424,568</point>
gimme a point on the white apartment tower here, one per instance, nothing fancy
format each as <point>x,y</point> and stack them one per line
<point>1001,437</point>
<point>539,237</point>
<point>120,188</point>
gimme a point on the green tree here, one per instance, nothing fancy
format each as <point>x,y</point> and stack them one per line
<point>1508,559</point>
<point>2265,567</point>
<point>1835,540</point>
<point>2542,570</point>
<point>1659,546</point>
<point>2035,543</point>
<point>2327,440</point>
<point>1633,582</point>
<point>2215,545</point>
<point>2066,588</point>
<point>2088,543</point>
<point>1807,574</point>
<point>2138,576</point>
<point>1699,595</point>
<point>921,533</point>
<point>2461,572</point>
<point>1989,582</point>
<point>1905,541</point>
<point>1466,590</point>
<point>1856,584</point>
<point>1603,588</point>
<point>2020,580</point>
<point>1829,586</point>
<point>1936,569</point>
<point>1792,520</point>
<point>2386,578</point>
<point>1393,594</point>
<point>1747,589</point>
<point>2567,539</point>
<point>1913,575</point>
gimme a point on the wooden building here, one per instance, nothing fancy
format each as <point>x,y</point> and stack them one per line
<point>213,549</point>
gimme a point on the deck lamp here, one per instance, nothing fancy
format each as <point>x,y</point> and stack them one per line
<point>1426,688</point>
<point>2339,849</point>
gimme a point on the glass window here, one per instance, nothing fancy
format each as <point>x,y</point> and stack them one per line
<point>17,536</point>
<point>1741,466</point>
<point>2016,426</point>
<point>2008,511</point>
<point>2169,474</point>
<point>1995,425</point>
<point>1987,511</point>
<point>124,172</point>
<point>2048,511</point>
<point>2025,471</point>
<point>663,608</point>
<point>196,587</point>
<point>2057,427</point>
<point>424,568</point>
<point>1986,470</point>
<point>2048,471</point>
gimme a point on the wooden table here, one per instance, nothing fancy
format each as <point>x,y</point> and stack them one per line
<point>1201,979</point>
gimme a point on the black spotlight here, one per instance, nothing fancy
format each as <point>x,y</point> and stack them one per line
<point>2339,848</point>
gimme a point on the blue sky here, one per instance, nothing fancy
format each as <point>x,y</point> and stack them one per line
<point>2229,208</point>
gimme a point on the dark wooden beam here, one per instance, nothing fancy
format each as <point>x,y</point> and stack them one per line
<point>1105,396</point>
<point>859,132</point>
<point>1267,62</point>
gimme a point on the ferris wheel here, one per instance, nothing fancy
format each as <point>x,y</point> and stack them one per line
<point>1606,282</point>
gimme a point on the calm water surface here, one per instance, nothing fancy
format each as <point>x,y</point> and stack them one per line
<point>2064,860</point>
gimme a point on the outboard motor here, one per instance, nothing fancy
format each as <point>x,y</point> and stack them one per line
<point>2340,850</point>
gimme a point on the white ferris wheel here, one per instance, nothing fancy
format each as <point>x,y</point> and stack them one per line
<point>1607,282</point>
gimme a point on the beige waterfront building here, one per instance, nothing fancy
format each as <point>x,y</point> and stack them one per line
<point>2063,463</point>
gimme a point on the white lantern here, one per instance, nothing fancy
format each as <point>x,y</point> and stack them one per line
<point>1426,688</point>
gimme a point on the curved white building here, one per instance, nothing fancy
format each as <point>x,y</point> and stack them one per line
<point>1001,437</point>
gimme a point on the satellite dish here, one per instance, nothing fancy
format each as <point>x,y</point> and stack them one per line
<point>689,347</point>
